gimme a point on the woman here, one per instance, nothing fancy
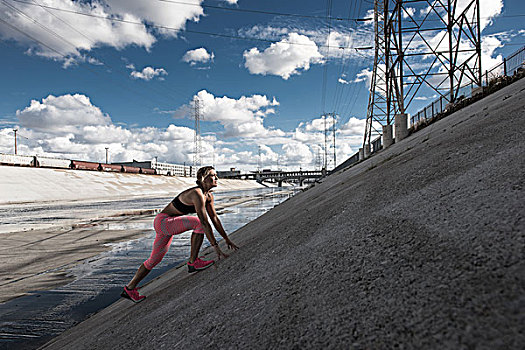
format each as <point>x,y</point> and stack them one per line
<point>172,220</point>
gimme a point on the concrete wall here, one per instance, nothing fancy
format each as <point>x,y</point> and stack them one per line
<point>25,184</point>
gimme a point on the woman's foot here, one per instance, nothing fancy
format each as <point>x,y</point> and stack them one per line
<point>132,294</point>
<point>199,265</point>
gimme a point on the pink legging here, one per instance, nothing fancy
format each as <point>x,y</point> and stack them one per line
<point>165,227</point>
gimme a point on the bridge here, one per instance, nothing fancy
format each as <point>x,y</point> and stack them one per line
<point>278,176</point>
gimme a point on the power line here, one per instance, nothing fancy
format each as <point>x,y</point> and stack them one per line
<point>232,9</point>
<point>340,87</point>
<point>220,35</point>
<point>32,38</point>
<point>58,36</point>
<point>352,72</point>
<point>268,12</point>
<point>38,23</point>
<point>325,70</point>
<point>93,42</point>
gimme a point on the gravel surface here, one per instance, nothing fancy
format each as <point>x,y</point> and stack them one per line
<point>419,247</point>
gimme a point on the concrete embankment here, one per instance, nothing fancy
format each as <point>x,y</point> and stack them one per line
<point>419,247</point>
<point>24,184</point>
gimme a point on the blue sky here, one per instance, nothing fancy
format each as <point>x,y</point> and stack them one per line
<point>74,82</point>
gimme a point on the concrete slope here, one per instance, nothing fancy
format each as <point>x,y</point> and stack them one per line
<point>421,246</point>
<point>30,185</point>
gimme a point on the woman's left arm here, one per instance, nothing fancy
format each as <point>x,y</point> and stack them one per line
<point>210,208</point>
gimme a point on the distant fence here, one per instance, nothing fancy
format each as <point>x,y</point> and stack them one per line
<point>507,68</point>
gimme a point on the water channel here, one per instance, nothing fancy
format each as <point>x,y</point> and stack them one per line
<point>30,321</point>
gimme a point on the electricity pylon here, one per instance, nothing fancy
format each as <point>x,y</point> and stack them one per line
<point>421,43</point>
<point>327,130</point>
<point>197,155</point>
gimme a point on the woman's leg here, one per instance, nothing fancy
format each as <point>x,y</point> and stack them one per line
<point>160,248</point>
<point>196,243</point>
<point>139,276</point>
<point>166,227</point>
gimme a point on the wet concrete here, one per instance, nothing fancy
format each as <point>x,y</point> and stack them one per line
<point>28,322</point>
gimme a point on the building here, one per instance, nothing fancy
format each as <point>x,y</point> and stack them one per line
<point>228,173</point>
<point>162,168</point>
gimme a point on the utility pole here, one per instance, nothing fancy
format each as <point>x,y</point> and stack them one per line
<point>15,130</point>
<point>107,148</point>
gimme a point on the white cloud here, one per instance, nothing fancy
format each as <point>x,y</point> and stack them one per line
<point>349,137</point>
<point>72,127</point>
<point>425,10</point>
<point>364,75</point>
<point>68,35</point>
<point>266,32</point>
<point>160,13</point>
<point>241,117</point>
<point>285,58</point>
<point>200,55</point>
<point>353,127</point>
<point>243,123</point>
<point>410,12</point>
<point>297,153</point>
<point>488,46</point>
<point>61,114</point>
<point>149,73</point>
<point>488,9</point>
<point>341,42</point>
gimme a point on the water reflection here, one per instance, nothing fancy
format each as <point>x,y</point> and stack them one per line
<point>30,321</point>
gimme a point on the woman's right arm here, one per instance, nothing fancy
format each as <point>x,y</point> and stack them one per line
<point>200,208</point>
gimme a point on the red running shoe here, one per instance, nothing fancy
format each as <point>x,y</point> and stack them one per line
<point>132,294</point>
<point>199,265</point>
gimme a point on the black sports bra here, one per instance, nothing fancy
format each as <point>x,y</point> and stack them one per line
<point>183,208</point>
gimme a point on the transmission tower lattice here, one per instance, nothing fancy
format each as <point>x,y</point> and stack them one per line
<point>429,44</point>
<point>329,129</point>
<point>197,160</point>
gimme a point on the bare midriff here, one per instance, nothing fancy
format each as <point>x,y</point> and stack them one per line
<point>171,210</point>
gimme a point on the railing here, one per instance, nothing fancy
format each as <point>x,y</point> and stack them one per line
<point>507,68</point>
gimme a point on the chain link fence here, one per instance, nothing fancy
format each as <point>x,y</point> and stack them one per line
<point>495,76</point>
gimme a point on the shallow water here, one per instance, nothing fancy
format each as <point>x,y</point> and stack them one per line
<point>28,322</point>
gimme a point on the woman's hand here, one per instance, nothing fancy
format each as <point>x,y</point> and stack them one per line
<point>219,252</point>
<point>230,244</point>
